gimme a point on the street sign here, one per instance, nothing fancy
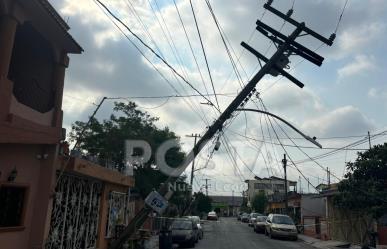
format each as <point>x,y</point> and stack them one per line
<point>156,202</point>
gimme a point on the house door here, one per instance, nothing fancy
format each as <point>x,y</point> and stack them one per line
<point>75,214</point>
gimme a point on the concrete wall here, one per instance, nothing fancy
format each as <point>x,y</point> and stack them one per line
<point>312,206</point>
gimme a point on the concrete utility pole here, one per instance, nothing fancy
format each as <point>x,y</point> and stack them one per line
<point>369,139</point>
<point>193,161</point>
<point>233,203</point>
<point>299,179</point>
<point>285,161</point>
<point>275,65</point>
<point>328,177</point>
<point>207,185</point>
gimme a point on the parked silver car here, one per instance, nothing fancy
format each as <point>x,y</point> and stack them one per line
<point>245,218</point>
<point>259,225</point>
<point>279,225</point>
<point>252,218</point>
<point>196,220</point>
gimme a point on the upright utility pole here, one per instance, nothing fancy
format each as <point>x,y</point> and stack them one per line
<point>193,161</point>
<point>299,179</point>
<point>369,139</point>
<point>207,185</point>
<point>287,46</point>
<point>284,162</point>
<point>233,203</point>
<point>328,177</point>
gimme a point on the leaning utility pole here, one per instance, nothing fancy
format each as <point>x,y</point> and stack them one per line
<point>287,46</point>
<point>193,160</point>
<point>284,161</point>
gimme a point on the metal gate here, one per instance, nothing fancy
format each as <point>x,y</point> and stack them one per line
<point>75,214</point>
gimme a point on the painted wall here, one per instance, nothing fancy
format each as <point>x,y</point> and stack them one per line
<point>30,172</point>
<point>311,206</point>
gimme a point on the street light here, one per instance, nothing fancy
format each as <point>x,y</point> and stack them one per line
<point>312,140</point>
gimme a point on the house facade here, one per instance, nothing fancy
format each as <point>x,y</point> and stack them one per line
<point>48,199</point>
<point>227,205</point>
<point>269,186</point>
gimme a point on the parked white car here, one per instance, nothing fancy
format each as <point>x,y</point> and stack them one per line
<point>279,225</point>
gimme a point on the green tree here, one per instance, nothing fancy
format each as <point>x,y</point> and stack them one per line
<point>202,203</point>
<point>259,203</point>
<point>364,188</point>
<point>105,141</point>
<point>181,200</point>
<point>244,207</point>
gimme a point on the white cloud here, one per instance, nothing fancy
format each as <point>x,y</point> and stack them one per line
<point>355,38</point>
<point>372,93</point>
<point>347,120</point>
<point>377,93</point>
<point>360,65</point>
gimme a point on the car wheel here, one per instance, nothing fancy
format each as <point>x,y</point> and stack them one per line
<point>295,238</point>
<point>271,235</point>
<point>191,243</point>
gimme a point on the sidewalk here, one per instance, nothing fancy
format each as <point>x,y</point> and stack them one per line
<point>323,244</point>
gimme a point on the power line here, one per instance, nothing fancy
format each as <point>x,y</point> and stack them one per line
<point>190,46</point>
<point>223,35</point>
<point>240,158</point>
<point>154,52</point>
<point>148,60</point>
<point>204,52</point>
<point>356,143</point>
<point>144,26</point>
<point>341,16</point>
<point>283,147</point>
<point>233,161</point>
<point>173,48</point>
<point>292,145</point>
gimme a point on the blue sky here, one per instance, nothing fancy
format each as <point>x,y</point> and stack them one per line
<point>346,96</point>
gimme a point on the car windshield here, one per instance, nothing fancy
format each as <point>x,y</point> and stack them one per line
<point>282,220</point>
<point>253,215</point>
<point>196,219</point>
<point>181,225</point>
<point>261,218</point>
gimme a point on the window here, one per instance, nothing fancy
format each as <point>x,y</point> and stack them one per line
<point>32,68</point>
<point>12,205</point>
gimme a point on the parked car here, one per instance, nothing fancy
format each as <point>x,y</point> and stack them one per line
<point>212,216</point>
<point>279,225</point>
<point>184,232</point>
<point>259,225</point>
<point>245,218</point>
<point>252,218</point>
<point>239,215</point>
<point>196,220</point>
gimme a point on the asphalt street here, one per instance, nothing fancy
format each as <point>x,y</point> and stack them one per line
<point>230,233</point>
